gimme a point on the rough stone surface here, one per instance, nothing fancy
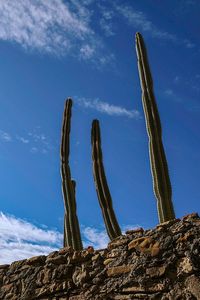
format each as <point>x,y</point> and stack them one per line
<point>158,264</point>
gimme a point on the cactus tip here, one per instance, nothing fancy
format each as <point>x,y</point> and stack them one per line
<point>95,122</point>
<point>137,35</point>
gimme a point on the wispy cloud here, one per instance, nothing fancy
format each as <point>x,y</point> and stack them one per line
<point>35,140</point>
<point>107,108</point>
<point>34,150</point>
<point>5,136</point>
<point>40,141</point>
<point>141,22</point>
<point>20,239</point>
<point>169,92</point>
<point>176,79</point>
<point>99,238</point>
<point>106,20</point>
<point>22,139</point>
<point>56,27</point>
<point>94,237</point>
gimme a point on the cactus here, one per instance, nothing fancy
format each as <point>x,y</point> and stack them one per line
<point>102,189</point>
<point>72,235</point>
<point>159,168</point>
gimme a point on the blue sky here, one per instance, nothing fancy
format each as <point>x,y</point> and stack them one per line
<point>50,50</point>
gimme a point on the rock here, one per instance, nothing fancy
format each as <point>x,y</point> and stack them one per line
<point>192,284</point>
<point>156,271</point>
<point>107,261</point>
<point>114,271</point>
<point>118,242</point>
<point>145,245</point>
<point>3,267</point>
<point>133,231</point>
<point>36,260</point>
<point>57,260</point>
<point>184,266</point>
<point>162,263</point>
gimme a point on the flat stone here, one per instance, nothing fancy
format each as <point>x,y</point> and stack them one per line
<point>2,267</point>
<point>139,289</point>
<point>114,271</point>
<point>155,250</point>
<point>117,243</point>
<point>192,284</point>
<point>36,260</point>
<point>57,260</point>
<point>184,266</point>
<point>146,245</point>
<point>114,253</point>
<point>167,223</point>
<point>156,271</point>
<point>137,230</point>
<point>137,242</point>
<point>185,237</point>
<point>65,250</point>
<point>95,257</point>
<point>107,261</point>
<point>190,216</point>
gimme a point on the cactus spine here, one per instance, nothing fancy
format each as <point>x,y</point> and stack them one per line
<point>102,189</point>
<point>72,236</point>
<point>159,168</point>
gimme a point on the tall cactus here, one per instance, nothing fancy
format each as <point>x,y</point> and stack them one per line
<point>72,236</point>
<point>159,168</point>
<point>102,189</point>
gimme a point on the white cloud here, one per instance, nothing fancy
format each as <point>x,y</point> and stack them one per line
<point>34,150</point>
<point>94,237</point>
<point>99,238</point>
<point>20,239</point>
<point>87,51</point>
<point>106,20</point>
<point>106,108</point>
<point>188,44</point>
<point>22,139</point>
<point>168,92</point>
<point>141,23</point>
<point>41,142</point>
<point>5,136</point>
<point>107,27</point>
<point>38,141</point>
<point>56,27</point>
<point>176,79</point>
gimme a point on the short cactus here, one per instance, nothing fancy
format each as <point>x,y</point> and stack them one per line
<point>159,168</point>
<point>72,236</point>
<point>102,189</point>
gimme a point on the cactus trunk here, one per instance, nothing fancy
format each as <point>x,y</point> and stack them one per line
<point>102,189</point>
<point>159,168</point>
<point>72,236</point>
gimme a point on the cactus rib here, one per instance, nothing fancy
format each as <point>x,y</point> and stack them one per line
<point>71,226</point>
<point>159,168</point>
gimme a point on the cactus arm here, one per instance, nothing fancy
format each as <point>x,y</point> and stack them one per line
<point>98,185</point>
<point>104,184</point>
<point>103,192</point>
<point>161,180</point>
<point>72,231</point>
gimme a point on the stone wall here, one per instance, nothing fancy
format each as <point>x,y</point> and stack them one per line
<point>160,263</point>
